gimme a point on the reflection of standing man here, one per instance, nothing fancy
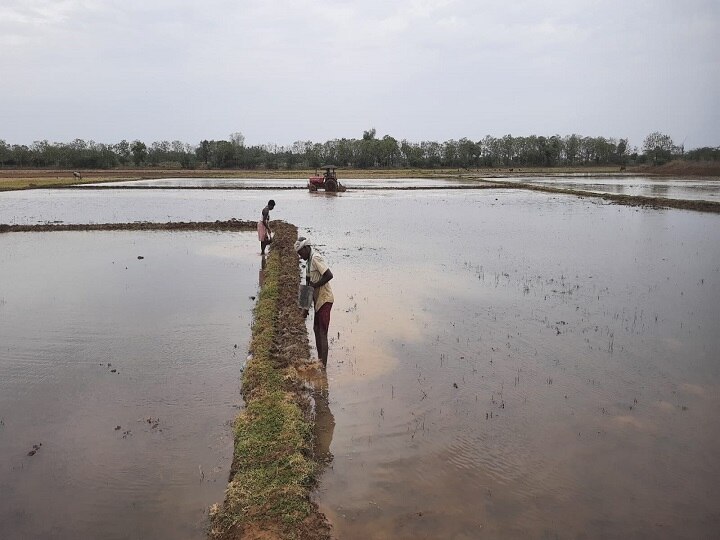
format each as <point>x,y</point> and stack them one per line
<point>318,275</point>
<point>261,274</point>
<point>263,227</point>
<point>324,426</point>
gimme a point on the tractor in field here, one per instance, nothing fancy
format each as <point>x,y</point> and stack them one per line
<point>327,180</point>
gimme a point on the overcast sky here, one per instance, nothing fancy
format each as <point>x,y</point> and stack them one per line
<point>281,71</point>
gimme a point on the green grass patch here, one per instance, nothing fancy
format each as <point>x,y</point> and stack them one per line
<point>273,471</point>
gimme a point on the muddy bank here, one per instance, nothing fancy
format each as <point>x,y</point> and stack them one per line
<point>274,469</point>
<point>229,225</point>
<point>680,168</point>
<point>629,200</point>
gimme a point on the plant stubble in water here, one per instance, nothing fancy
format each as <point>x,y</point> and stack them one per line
<point>547,367</point>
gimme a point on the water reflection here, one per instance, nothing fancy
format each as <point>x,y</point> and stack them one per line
<point>279,183</point>
<point>660,190</point>
<point>488,385</point>
<point>324,426</point>
<point>261,272</point>
<point>124,373</point>
<point>526,377</point>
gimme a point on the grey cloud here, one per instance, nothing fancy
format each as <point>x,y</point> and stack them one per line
<point>287,70</point>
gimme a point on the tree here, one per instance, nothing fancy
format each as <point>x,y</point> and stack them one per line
<point>313,155</point>
<point>4,152</point>
<point>139,152</point>
<point>659,147</point>
<point>508,149</point>
<point>388,149</point>
<point>122,149</point>
<point>572,148</point>
<point>706,153</point>
<point>237,139</point>
<point>369,135</point>
<point>203,151</point>
<point>412,153</point>
<point>621,151</point>
<point>468,152</point>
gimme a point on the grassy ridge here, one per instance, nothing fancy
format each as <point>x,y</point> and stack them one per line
<point>229,225</point>
<point>273,470</point>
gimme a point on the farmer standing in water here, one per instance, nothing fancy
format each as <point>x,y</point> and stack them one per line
<point>317,276</point>
<point>263,227</point>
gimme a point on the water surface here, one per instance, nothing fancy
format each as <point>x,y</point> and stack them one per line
<point>507,365</point>
<point>298,183</point>
<point>502,363</point>
<point>121,375</point>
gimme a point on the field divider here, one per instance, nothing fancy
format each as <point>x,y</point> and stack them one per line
<point>617,198</point>
<point>228,225</point>
<point>274,469</point>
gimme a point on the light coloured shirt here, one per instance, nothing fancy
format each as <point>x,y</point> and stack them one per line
<point>316,267</point>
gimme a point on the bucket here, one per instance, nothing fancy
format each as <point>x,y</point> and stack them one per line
<point>305,296</point>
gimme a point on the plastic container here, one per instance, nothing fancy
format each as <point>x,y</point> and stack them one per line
<point>305,296</point>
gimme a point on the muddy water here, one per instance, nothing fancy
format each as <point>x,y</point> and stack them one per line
<point>502,363</point>
<point>121,374</point>
<point>300,183</point>
<point>514,366</point>
<point>671,188</point>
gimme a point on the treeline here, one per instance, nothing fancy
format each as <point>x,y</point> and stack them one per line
<point>363,153</point>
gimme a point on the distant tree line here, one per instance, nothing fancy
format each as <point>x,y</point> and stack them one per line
<point>363,153</point>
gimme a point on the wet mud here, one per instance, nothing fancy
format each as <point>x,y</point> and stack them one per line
<point>628,200</point>
<point>228,225</point>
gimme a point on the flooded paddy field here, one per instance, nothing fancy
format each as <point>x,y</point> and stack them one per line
<point>120,378</point>
<point>527,367</point>
<point>503,363</point>
<point>288,183</point>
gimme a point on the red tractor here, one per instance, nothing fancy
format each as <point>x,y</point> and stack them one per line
<point>327,181</point>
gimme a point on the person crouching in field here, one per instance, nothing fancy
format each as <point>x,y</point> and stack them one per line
<point>263,227</point>
<point>318,276</point>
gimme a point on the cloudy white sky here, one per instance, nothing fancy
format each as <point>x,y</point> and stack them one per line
<point>280,71</point>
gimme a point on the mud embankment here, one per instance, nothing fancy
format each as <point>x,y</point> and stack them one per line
<point>680,167</point>
<point>229,225</point>
<point>629,200</point>
<point>274,468</point>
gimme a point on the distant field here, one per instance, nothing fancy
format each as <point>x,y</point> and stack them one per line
<point>37,178</point>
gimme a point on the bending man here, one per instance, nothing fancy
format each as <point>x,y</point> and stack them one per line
<point>317,276</point>
<point>263,227</point>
